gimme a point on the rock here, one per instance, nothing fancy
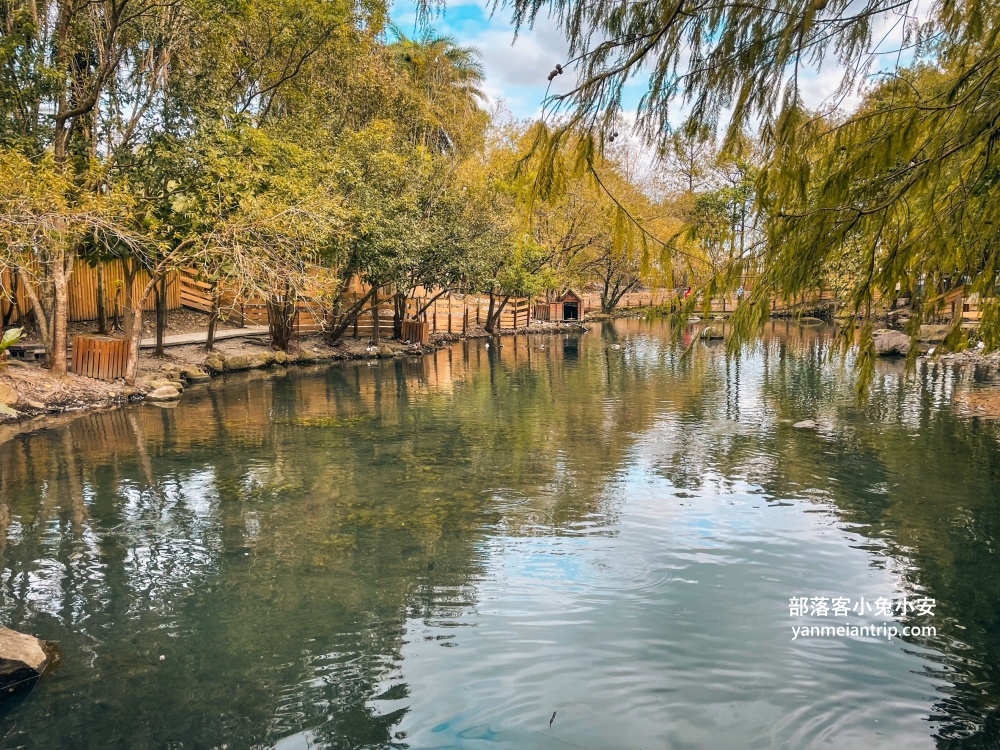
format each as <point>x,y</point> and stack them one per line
<point>215,363</point>
<point>190,371</point>
<point>258,362</point>
<point>178,384</point>
<point>710,332</point>
<point>237,362</point>
<point>22,661</point>
<point>933,334</point>
<point>805,424</point>
<point>8,396</point>
<point>262,360</point>
<point>159,383</point>
<point>385,351</point>
<point>34,404</point>
<point>165,393</point>
<point>808,320</point>
<point>892,344</point>
<point>199,377</point>
<point>280,358</point>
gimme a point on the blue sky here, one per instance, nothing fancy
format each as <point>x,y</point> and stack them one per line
<point>516,70</point>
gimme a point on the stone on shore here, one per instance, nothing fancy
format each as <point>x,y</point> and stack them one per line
<point>933,334</point>
<point>22,661</point>
<point>711,332</point>
<point>257,363</point>
<point>280,358</point>
<point>892,343</point>
<point>193,374</point>
<point>164,393</point>
<point>237,363</point>
<point>215,363</point>
<point>8,396</point>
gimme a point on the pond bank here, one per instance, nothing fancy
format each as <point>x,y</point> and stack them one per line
<point>36,396</point>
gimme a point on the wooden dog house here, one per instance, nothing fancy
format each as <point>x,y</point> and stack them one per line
<point>568,306</point>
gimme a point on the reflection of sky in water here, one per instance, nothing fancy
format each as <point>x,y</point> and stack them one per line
<point>684,610</point>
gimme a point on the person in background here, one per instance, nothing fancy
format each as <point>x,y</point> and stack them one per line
<point>739,295</point>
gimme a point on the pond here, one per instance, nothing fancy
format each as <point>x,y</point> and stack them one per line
<point>561,541</point>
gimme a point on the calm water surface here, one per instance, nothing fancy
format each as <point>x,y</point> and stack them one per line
<point>442,553</point>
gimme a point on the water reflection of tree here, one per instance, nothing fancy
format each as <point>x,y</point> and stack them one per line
<point>272,538</point>
<point>920,481</point>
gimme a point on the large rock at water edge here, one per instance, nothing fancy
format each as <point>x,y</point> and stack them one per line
<point>164,393</point>
<point>892,344</point>
<point>215,364</point>
<point>711,333</point>
<point>22,661</point>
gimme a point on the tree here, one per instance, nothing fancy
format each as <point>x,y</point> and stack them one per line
<point>446,79</point>
<point>907,176</point>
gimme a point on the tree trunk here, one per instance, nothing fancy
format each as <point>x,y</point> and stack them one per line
<point>131,316</point>
<point>375,317</point>
<point>213,322</point>
<point>160,290</point>
<point>41,321</point>
<point>493,317</point>
<point>59,348</point>
<point>13,312</point>
<point>102,302</point>
<point>398,313</point>
<point>281,318</point>
<point>489,314</point>
<point>337,331</point>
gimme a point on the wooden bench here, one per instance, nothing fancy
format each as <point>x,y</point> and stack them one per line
<point>101,357</point>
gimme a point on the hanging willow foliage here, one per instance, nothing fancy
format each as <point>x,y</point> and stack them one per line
<point>901,190</point>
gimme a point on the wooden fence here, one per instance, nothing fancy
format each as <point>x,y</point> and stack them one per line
<point>448,313</point>
<point>83,292</point>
